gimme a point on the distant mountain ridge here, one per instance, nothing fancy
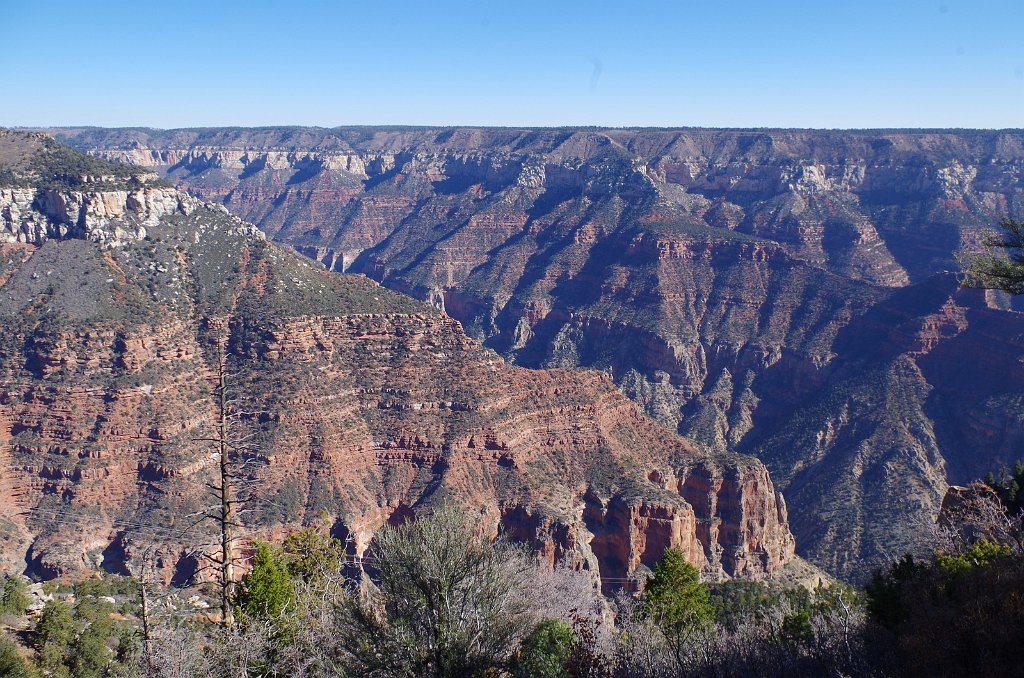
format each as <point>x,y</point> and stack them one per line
<point>782,292</point>
<point>723,172</point>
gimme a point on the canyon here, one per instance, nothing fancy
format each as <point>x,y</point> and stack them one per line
<point>789,294</point>
<point>123,297</point>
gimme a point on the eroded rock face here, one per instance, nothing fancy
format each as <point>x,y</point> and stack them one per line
<point>359,404</point>
<point>780,292</point>
<point>48,191</point>
<point>109,217</point>
<point>363,415</point>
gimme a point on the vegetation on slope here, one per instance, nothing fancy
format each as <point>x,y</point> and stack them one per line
<point>434,598</point>
<point>959,611</point>
<point>38,161</point>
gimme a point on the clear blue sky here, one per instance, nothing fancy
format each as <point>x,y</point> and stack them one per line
<point>724,63</point>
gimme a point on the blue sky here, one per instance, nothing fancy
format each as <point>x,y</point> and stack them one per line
<point>855,63</point>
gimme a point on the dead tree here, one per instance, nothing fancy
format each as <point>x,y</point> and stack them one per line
<point>227,520</point>
<point>147,647</point>
<point>230,449</point>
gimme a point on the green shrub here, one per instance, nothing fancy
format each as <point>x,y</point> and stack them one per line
<point>546,651</point>
<point>54,635</point>
<point>312,556</point>
<point>738,600</point>
<point>14,596</point>
<point>11,663</point>
<point>982,553</point>
<point>796,627</point>
<point>447,603</point>
<point>106,585</point>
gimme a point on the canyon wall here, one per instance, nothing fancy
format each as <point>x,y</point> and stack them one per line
<point>359,407</point>
<point>780,292</point>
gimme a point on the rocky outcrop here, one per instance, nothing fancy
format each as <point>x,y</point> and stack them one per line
<point>49,192</point>
<point>976,512</point>
<point>30,215</point>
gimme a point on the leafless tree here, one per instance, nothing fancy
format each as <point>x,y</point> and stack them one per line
<point>178,652</point>
<point>571,595</point>
<point>233,487</point>
<point>976,512</point>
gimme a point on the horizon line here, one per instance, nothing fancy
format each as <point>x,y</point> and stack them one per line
<point>397,126</point>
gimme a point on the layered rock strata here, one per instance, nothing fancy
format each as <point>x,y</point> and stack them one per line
<point>360,407</point>
<point>781,292</point>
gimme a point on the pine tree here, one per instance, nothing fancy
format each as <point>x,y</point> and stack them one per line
<point>675,598</point>
<point>56,625</point>
<point>678,602</point>
<point>14,596</point>
<point>266,591</point>
<point>312,555</point>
